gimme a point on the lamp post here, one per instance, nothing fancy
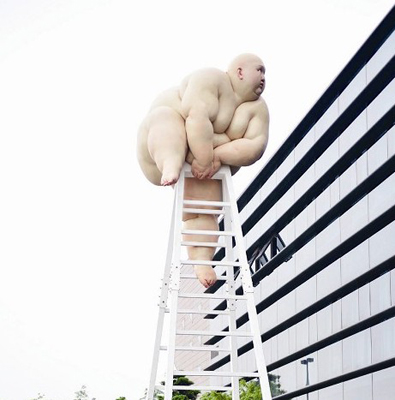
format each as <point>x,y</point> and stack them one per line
<point>306,362</point>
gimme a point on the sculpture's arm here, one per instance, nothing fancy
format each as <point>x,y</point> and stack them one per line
<point>200,107</point>
<point>250,148</point>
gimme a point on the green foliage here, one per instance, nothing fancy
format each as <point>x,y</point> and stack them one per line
<point>81,394</point>
<point>158,395</point>
<point>216,396</point>
<point>39,397</point>
<point>250,390</point>
<point>179,397</point>
<point>180,394</point>
<point>275,385</point>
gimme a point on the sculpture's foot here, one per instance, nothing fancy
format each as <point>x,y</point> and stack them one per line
<point>168,180</point>
<point>206,275</point>
<point>170,176</point>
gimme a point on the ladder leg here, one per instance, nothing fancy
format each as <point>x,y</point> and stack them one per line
<point>259,357</point>
<point>161,312</point>
<point>174,283</point>
<point>171,346</point>
<point>233,342</point>
<point>249,292</point>
<point>230,288</point>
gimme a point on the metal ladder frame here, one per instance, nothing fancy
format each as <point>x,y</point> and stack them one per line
<point>170,293</point>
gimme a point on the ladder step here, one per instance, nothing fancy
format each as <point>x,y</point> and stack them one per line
<point>207,203</point>
<point>197,387</point>
<point>193,276</point>
<point>205,232</point>
<point>202,211</point>
<point>217,373</point>
<point>203,348</point>
<point>203,312</point>
<point>222,263</point>
<point>211,296</point>
<point>215,333</point>
<point>203,244</point>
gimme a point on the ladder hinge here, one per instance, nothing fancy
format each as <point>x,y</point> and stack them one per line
<point>175,276</point>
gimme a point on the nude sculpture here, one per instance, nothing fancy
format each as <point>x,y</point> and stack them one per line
<point>212,118</point>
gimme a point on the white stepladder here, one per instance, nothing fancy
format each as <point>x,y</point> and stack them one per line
<point>235,257</point>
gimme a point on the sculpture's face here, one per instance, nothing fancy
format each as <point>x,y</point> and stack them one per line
<point>253,74</point>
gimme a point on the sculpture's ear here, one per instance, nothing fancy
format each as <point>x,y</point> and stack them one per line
<point>240,73</point>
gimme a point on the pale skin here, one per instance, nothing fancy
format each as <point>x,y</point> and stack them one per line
<point>213,118</point>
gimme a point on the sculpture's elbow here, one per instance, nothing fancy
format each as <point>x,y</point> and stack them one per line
<point>255,153</point>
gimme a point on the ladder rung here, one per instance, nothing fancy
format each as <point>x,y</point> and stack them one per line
<point>205,232</point>
<point>203,244</point>
<point>197,387</point>
<point>203,312</point>
<point>217,263</point>
<point>193,276</point>
<point>215,333</point>
<point>192,348</point>
<point>207,203</point>
<point>217,373</point>
<point>211,296</point>
<point>202,211</point>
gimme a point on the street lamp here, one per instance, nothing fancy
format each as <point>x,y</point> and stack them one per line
<point>306,362</point>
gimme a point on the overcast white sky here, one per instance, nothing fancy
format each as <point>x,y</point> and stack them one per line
<point>83,235</point>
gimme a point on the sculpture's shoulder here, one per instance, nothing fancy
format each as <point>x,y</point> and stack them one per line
<point>212,74</point>
<point>262,108</point>
<point>255,108</point>
<point>204,79</point>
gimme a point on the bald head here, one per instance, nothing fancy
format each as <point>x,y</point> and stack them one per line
<point>247,74</point>
<point>243,60</point>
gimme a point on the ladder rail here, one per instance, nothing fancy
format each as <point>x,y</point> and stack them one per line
<point>174,284</point>
<point>230,288</point>
<point>162,309</point>
<point>248,289</point>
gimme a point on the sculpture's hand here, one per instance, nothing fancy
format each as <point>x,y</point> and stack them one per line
<point>200,171</point>
<point>216,166</point>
